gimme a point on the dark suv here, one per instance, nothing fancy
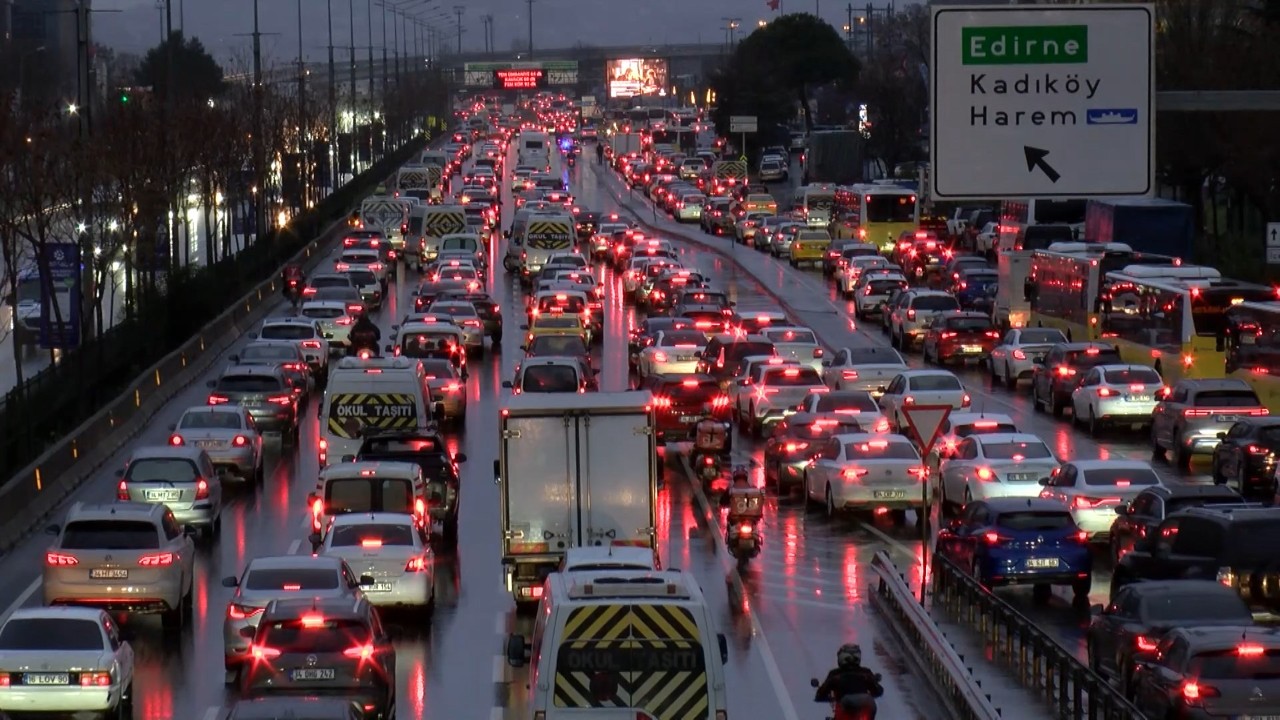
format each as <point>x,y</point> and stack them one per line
<point>1247,455</point>
<point>1199,673</point>
<point>428,451</point>
<point>323,646</point>
<point>1140,517</point>
<point>1055,376</point>
<point>723,353</point>
<point>263,390</point>
<point>1233,545</point>
<point>679,402</point>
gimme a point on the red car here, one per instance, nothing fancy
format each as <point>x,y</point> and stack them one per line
<point>960,337</point>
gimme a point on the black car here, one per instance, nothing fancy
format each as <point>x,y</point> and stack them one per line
<point>1054,377</point>
<point>586,223</point>
<point>440,468</point>
<point>1198,673</point>
<point>1141,614</point>
<point>1144,513</point>
<point>489,311</point>
<point>1246,456</point>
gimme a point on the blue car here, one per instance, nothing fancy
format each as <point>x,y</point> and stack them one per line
<point>1020,541</point>
<point>975,289</point>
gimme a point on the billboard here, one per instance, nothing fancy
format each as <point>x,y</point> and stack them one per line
<point>554,72</point>
<point>519,79</point>
<point>630,77</point>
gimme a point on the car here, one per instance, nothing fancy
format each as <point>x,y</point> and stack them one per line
<point>430,452</point>
<point>1192,413</point>
<point>1204,672</point>
<point>366,283</point>
<point>180,478</point>
<point>1056,375</point>
<point>960,336</point>
<point>995,465</point>
<point>1140,615</point>
<point>448,387</point>
<point>278,577</point>
<point>913,311</point>
<point>680,401</point>
<point>552,374</point>
<point>866,472</point>
<point>388,548</point>
<point>872,289</point>
<point>420,339</point>
<point>976,289</point>
<point>304,333</point>
<point>559,345</point>
<point>1020,541</point>
<point>725,352</point>
<point>642,334</point>
<point>796,343</point>
<point>854,262</point>
<point>868,368</point>
<point>227,434</point>
<point>1246,456</point>
<point>1137,519</point>
<point>334,318</point>
<point>1092,489</point>
<point>329,646</point>
<point>65,660</point>
<point>1013,358</point>
<point>353,259</point>
<point>99,545</point>
<point>672,352</point>
<point>558,324</point>
<point>769,391</point>
<point>921,387</point>
<point>283,354</point>
<point>856,406</point>
<point>489,312</point>
<point>463,314</point>
<point>963,424</point>
<point>265,392</point>
<point>1115,395</point>
<point>796,441</point>
<point>772,170</point>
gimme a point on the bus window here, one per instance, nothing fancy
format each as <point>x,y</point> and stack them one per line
<point>891,208</point>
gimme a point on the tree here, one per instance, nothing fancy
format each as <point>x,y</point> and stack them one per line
<point>201,76</point>
<point>779,65</point>
<point>894,85</point>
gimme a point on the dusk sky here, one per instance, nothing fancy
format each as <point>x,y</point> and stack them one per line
<point>222,25</point>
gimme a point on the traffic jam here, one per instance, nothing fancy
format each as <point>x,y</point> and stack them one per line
<point>1083,427</point>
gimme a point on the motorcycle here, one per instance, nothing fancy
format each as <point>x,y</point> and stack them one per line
<point>293,292</point>
<point>710,443</point>
<point>742,531</point>
<point>362,349</point>
<point>572,160</point>
<point>851,707</point>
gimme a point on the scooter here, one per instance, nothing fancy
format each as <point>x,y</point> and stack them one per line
<point>742,531</point>
<point>708,468</point>
<point>851,707</point>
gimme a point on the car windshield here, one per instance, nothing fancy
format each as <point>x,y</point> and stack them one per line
<point>1260,664</point>
<point>935,382</point>
<point>210,421</point>
<point>288,332</point>
<point>1035,520</point>
<point>835,402</point>
<point>110,535</point>
<point>317,636</point>
<point>1016,450</point>
<point>162,469</point>
<point>51,634</point>
<point>550,378</point>
<point>1226,398</point>
<point>290,579</point>
<point>1120,477</point>
<point>880,450</point>
<point>371,534</point>
<point>248,384</point>
<point>1146,376</point>
<point>1186,608</point>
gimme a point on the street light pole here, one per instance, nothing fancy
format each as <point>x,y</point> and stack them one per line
<point>259,148</point>
<point>457,11</point>
<point>368,4</point>
<point>351,19</point>
<point>333,105</point>
<point>530,14</point>
<point>303,125</point>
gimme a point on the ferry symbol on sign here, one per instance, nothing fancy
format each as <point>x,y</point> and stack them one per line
<point>1111,116</point>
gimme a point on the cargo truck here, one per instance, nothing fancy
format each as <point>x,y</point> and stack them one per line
<point>573,471</point>
<point>1148,225</point>
<point>834,156</point>
<point>621,143</point>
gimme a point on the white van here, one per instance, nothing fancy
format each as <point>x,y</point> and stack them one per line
<point>638,639</point>
<point>368,487</point>
<point>534,147</point>
<point>373,394</point>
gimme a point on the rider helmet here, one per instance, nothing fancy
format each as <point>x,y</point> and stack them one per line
<point>848,656</point>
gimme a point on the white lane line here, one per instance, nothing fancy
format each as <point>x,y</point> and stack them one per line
<point>295,546</point>
<point>498,713</point>
<point>21,600</point>
<point>212,713</point>
<point>501,625</point>
<point>499,669</point>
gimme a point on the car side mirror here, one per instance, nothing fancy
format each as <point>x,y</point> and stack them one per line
<point>1122,509</point>
<point>507,384</point>
<point>390,348</point>
<point>315,539</point>
<point>1098,610</point>
<point>524,347</point>
<point>248,632</point>
<point>437,411</point>
<point>311,499</point>
<point>348,458</point>
<point>1044,481</point>
<point>826,363</point>
<point>328,336</point>
<point>1037,361</point>
<point>53,530</point>
<point>723,642</point>
<point>813,682</point>
<point>517,650</point>
<point>524,327</point>
<point>367,581</point>
<point>234,358</point>
<point>230,581</point>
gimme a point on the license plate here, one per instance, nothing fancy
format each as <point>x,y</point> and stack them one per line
<point>208,443</point>
<point>312,674</point>
<point>1256,717</point>
<point>378,587</point>
<point>163,495</point>
<point>46,679</point>
<point>685,358</point>
<point>688,418</point>
<point>1042,562</point>
<point>108,574</point>
<point>889,494</point>
<point>1139,398</point>
<point>1021,477</point>
<point>971,348</point>
<point>1224,418</point>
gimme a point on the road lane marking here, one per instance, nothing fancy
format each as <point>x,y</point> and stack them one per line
<point>21,600</point>
<point>501,624</point>
<point>212,713</point>
<point>295,546</point>
<point>498,713</point>
<point>895,545</point>
<point>499,669</point>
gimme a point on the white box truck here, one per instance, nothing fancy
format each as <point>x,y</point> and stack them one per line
<point>573,471</point>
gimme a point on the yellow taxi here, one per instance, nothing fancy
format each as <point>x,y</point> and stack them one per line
<point>558,323</point>
<point>810,246</point>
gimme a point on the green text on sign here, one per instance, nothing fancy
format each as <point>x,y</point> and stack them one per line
<point>1025,45</point>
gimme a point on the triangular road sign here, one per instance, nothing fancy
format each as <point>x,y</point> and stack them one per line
<point>925,423</point>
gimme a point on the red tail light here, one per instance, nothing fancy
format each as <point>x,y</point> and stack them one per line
<point>853,473</point>
<point>720,402</point>
<point>311,344</point>
<point>241,612</point>
<point>1104,392</point>
<point>1065,371</point>
<point>849,374</point>
<point>176,440</point>
<point>1019,355</point>
<point>947,335</point>
<point>661,357</point>
<point>1088,503</point>
<point>95,679</point>
<point>281,399</point>
<point>350,309</point>
<point>994,538</point>
<point>966,401</point>
<point>60,560</point>
<point>122,490</point>
<point>216,399</point>
<point>795,446</point>
<point>156,560</point>
<point>416,564</point>
<point>985,474</point>
<point>911,314</point>
<point>240,441</point>
<point>202,489</point>
<point>342,267</point>
<point>1193,692</point>
<point>1145,644</point>
<point>363,652</point>
<point>262,653</point>
<point>453,387</point>
<point>662,402</point>
<point>344,321</point>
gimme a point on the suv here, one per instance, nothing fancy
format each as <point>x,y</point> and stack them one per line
<point>322,646</point>
<point>428,451</point>
<point>1139,517</point>
<point>679,402</point>
<point>1193,413</point>
<point>180,478</point>
<point>913,311</point>
<point>724,352</point>
<point>1055,376</point>
<point>1247,457</point>
<point>265,392</point>
<point>960,336</point>
<point>130,557</point>
<point>1210,672</point>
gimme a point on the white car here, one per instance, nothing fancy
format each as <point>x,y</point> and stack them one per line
<point>388,548</point>
<point>769,391</point>
<point>334,320</point>
<point>577,260</point>
<point>960,425</point>
<point>354,259</point>
<point>866,472</point>
<point>986,240</point>
<point>997,465</point>
<point>463,314</point>
<point>1116,395</point>
<point>636,272</point>
<point>689,207</point>
<point>796,343</point>
<point>869,368</point>
<point>850,269</point>
<point>1015,357</point>
<point>873,288</point>
<point>922,387</point>
<point>227,435</point>
<point>306,334</point>
<point>913,312</point>
<point>1093,489</point>
<point>65,660</point>
<point>854,406</point>
<point>674,352</point>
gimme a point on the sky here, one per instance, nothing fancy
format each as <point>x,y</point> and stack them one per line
<point>223,25</point>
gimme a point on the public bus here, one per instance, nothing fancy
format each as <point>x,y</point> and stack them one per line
<point>1252,341</point>
<point>815,204</point>
<point>673,139</point>
<point>1062,283</point>
<point>1018,215</point>
<point>876,214</point>
<point>1172,318</point>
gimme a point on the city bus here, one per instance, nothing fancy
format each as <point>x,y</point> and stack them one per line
<point>815,204</point>
<point>1174,319</point>
<point>1062,283</point>
<point>1253,349</point>
<point>876,214</point>
<point>1018,215</point>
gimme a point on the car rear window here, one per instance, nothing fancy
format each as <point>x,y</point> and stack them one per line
<point>1085,358</point>
<point>1226,398</point>
<point>740,350</point>
<point>875,356</point>
<point>356,495</point>
<point>686,338</point>
<point>558,322</point>
<point>935,382</point>
<point>969,324</point>
<point>882,287</point>
<point>1231,664</point>
<point>344,293</point>
<point>436,369</point>
<point>550,378</point>
<point>566,303</point>
<point>249,384</point>
<point>360,258</point>
<point>287,332</point>
<point>1184,608</point>
<point>323,313</point>
<point>1035,520</point>
<point>558,345</point>
<point>157,469</point>
<point>798,337</point>
<point>269,352</point>
<point>1120,477</point>
<point>210,421</point>
<point>1020,450</point>
<point>51,634</point>
<point>1145,376</point>
<point>327,636</point>
<point>363,277</point>
<point>110,535</point>
<point>375,534</point>
<point>881,450</point>
<point>291,579</point>
<point>830,402</point>
<point>791,377</point>
<point>935,302</point>
<point>329,281</point>
<point>691,389</point>
<point>981,427</point>
<point>1039,337</point>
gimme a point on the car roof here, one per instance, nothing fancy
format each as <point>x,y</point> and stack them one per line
<point>252,370</point>
<point>1224,637</point>
<point>1022,437</point>
<point>678,378</point>
<point>165,452</point>
<point>373,518</point>
<point>121,510</point>
<point>1184,490</point>
<point>857,437</point>
<point>63,612</point>
<point>926,372</point>
<point>279,562</point>
<point>370,468</point>
<point>968,418</point>
<point>290,321</point>
<point>1199,384</point>
<point>1116,464</point>
<point>1174,587</point>
<point>573,360</point>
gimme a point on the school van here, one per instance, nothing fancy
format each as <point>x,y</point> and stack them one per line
<point>534,148</point>
<point>428,225</point>
<point>617,638</point>
<point>544,236</point>
<point>372,394</point>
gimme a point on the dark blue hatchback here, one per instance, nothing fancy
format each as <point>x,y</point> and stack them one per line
<point>975,289</point>
<point>1020,541</point>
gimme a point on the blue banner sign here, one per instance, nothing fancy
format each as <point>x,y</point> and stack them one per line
<point>60,289</point>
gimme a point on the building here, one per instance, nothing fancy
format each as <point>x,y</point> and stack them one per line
<point>43,35</point>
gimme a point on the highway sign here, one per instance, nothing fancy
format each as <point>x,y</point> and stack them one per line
<point>1044,101</point>
<point>1273,243</point>
<point>742,123</point>
<point>925,423</point>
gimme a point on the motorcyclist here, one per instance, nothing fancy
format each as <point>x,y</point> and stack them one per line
<point>365,335</point>
<point>292,280</point>
<point>850,686</point>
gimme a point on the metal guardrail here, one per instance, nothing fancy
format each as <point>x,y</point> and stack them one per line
<point>952,681</point>
<point>1037,661</point>
<point>30,496</point>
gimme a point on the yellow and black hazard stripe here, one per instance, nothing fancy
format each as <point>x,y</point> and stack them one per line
<point>598,622</point>
<point>350,414</point>
<point>549,234</point>
<point>730,168</point>
<point>591,673</point>
<point>439,224</point>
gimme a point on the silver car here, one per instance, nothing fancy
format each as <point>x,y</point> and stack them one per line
<point>1193,412</point>
<point>181,478</point>
<point>276,578</point>
<point>227,434</point>
<point>124,557</point>
<point>464,315</point>
<point>1015,357</point>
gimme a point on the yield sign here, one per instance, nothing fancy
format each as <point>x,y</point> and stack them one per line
<point>925,423</point>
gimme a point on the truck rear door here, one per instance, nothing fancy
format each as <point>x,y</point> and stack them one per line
<point>617,473</point>
<point>539,454</point>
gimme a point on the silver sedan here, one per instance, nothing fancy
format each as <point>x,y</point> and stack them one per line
<point>1014,358</point>
<point>228,436</point>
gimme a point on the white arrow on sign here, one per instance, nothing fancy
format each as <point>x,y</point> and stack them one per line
<point>925,423</point>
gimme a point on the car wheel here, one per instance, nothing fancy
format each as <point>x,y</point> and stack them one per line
<point>259,473</point>
<point>1095,425</point>
<point>1181,456</point>
<point>1041,592</point>
<point>1010,380</point>
<point>1035,396</point>
<point>831,504</point>
<point>1157,451</point>
<point>174,619</point>
<point>1056,406</point>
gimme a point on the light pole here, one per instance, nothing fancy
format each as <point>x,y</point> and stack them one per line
<point>457,11</point>
<point>302,125</point>
<point>333,104</point>
<point>351,19</point>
